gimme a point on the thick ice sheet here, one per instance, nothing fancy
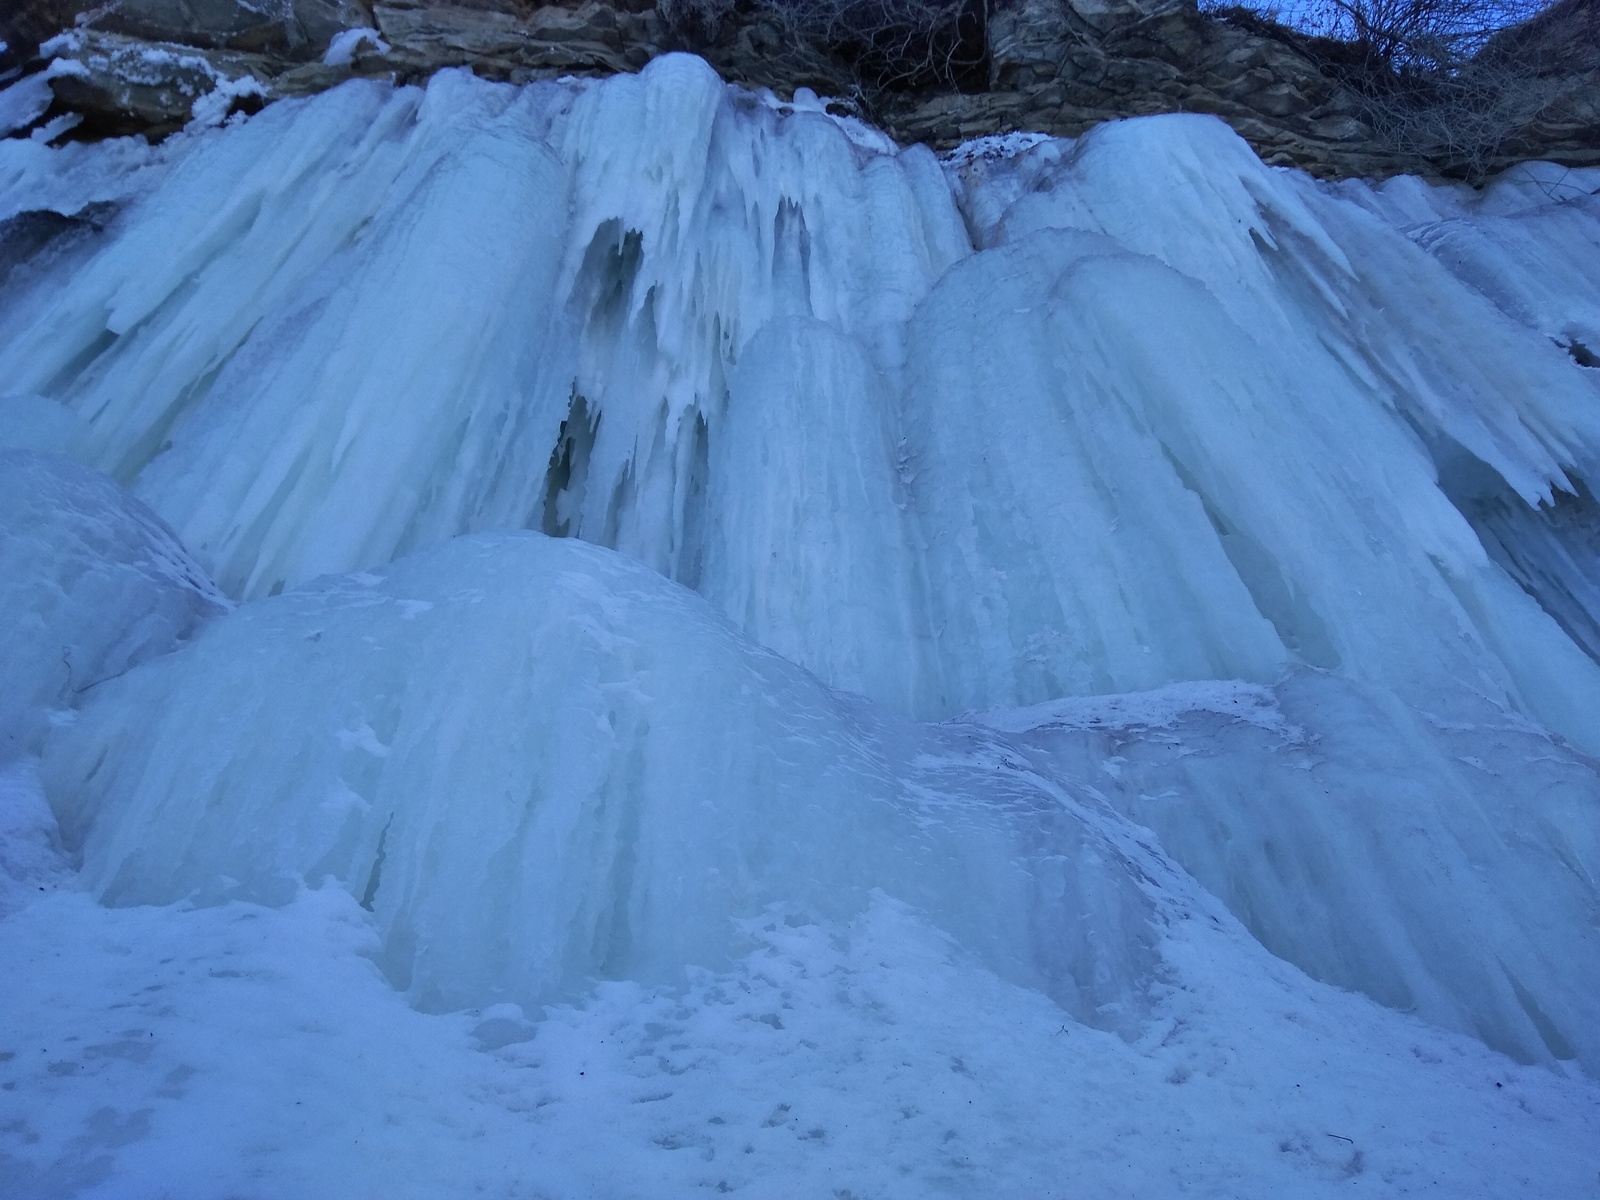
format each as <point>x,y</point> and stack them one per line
<point>623,777</point>
<point>1303,378</point>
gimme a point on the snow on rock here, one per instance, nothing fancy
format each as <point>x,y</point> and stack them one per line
<point>215,105</point>
<point>91,584</point>
<point>24,102</point>
<point>348,43</point>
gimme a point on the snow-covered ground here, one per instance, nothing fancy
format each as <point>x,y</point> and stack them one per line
<point>240,1050</point>
<point>616,638</point>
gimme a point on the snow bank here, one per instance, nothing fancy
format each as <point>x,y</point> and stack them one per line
<point>871,1058</point>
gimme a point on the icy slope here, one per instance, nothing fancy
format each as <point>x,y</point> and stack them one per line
<point>253,1052</point>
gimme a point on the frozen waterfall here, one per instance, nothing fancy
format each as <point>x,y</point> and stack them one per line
<point>640,508</point>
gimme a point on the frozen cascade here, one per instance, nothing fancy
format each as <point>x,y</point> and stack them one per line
<point>1087,427</point>
<point>292,348</point>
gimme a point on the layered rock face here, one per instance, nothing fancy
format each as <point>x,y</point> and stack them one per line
<point>1062,67</point>
<point>1052,66</point>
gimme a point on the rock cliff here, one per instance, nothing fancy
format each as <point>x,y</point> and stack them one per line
<point>1051,66</point>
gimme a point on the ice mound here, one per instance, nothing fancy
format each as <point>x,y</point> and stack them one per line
<point>539,763</point>
<point>91,584</point>
<point>1443,865</point>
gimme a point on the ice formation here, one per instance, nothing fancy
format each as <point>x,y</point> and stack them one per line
<point>92,583</point>
<point>627,486</point>
<point>614,769</point>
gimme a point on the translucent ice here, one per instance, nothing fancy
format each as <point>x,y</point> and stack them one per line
<point>1180,416</point>
<point>91,583</point>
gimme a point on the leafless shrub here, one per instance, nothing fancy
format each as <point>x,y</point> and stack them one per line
<point>1437,80</point>
<point>892,44</point>
<point>1419,35</point>
<point>698,21</point>
<point>881,45</point>
<point>1460,119</point>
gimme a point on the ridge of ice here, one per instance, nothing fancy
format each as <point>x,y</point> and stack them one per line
<point>1160,708</point>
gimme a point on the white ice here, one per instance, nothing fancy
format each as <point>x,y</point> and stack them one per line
<point>24,102</point>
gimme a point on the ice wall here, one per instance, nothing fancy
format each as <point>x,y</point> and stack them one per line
<point>1048,419</point>
<point>1303,372</point>
<point>1180,415</point>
